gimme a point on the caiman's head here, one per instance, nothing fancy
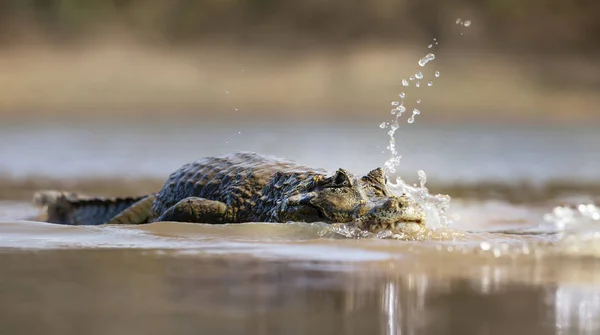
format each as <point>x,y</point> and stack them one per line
<point>366,202</point>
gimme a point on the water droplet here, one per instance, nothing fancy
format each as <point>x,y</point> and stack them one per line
<point>418,84</point>
<point>419,101</point>
<point>226,92</point>
<point>415,113</point>
<point>428,58</point>
<point>422,178</point>
<point>437,74</point>
<point>430,83</point>
<point>393,111</point>
<point>485,246</point>
<point>458,20</point>
<point>435,39</point>
<point>395,103</point>
<point>404,82</point>
<point>412,78</point>
<point>402,95</point>
<point>461,34</point>
<point>237,110</point>
<point>467,23</point>
<point>430,46</point>
<point>382,125</point>
<point>239,132</point>
<point>419,75</point>
<point>400,109</point>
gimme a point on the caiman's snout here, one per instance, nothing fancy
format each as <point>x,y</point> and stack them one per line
<point>391,212</point>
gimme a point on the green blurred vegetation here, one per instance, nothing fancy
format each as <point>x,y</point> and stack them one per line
<point>512,25</point>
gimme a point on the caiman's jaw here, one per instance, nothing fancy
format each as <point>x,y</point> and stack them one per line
<point>391,214</point>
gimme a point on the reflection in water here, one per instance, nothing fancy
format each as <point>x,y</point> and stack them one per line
<point>165,292</point>
<point>578,308</point>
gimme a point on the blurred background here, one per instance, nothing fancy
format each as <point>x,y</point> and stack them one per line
<point>533,61</point>
<point>133,89</point>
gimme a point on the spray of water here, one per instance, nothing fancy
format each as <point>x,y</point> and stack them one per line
<point>434,205</point>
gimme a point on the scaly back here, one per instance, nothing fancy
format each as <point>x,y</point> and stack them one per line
<point>236,179</point>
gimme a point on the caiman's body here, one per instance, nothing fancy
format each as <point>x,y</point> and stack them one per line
<point>246,187</point>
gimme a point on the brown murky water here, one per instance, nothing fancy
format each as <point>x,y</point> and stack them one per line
<point>133,291</point>
<point>169,278</point>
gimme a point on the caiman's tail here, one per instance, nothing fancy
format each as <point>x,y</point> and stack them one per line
<point>73,209</point>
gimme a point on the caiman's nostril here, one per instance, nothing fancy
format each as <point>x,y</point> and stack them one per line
<point>392,204</point>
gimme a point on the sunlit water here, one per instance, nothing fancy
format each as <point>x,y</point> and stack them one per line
<point>298,278</point>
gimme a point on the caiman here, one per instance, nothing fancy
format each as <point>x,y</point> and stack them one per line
<point>246,187</point>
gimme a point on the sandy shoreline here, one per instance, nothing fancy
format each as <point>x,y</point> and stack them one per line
<point>119,80</point>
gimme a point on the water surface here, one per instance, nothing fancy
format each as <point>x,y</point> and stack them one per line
<point>305,278</point>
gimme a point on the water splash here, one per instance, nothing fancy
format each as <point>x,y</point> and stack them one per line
<point>435,205</point>
<point>580,218</point>
<point>405,232</point>
<point>578,229</point>
<point>422,178</point>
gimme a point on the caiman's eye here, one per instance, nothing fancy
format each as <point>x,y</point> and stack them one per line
<point>341,178</point>
<point>377,175</point>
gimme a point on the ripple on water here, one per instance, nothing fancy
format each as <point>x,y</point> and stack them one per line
<point>580,236</point>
